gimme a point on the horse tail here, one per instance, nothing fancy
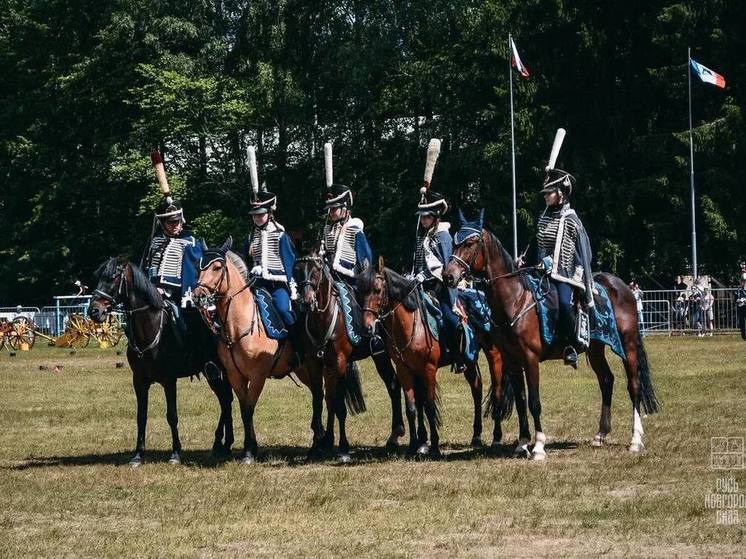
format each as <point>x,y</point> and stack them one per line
<point>648,399</point>
<point>353,390</point>
<point>502,410</point>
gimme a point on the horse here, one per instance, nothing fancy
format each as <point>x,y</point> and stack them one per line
<point>329,341</point>
<point>157,352</point>
<point>248,354</point>
<point>394,303</point>
<point>511,301</point>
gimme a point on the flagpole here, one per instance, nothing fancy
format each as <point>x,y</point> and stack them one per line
<point>691,167</point>
<point>512,146</point>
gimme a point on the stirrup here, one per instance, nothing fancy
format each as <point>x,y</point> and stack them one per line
<point>571,357</point>
<point>212,371</point>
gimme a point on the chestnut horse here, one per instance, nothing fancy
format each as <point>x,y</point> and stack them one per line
<point>328,340</point>
<point>249,356</point>
<point>156,353</point>
<point>482,254</point>
<point>393,303</point>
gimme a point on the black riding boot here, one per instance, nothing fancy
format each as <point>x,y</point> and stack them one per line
<point>570,354</point>
<point>295,338</point>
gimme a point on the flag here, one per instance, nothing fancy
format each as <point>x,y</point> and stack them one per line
<point>707,75</point>
<point>515,60</point>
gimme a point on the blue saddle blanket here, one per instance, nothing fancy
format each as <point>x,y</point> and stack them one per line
<point>271,319</point>
<point>351,313</point>
<point>477,312</point>
<point>602,319</point>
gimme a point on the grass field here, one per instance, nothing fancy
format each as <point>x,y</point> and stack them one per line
<point>66,491</point>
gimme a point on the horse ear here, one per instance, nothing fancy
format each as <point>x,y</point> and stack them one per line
<point>227,245</point>
<point>381,265</point>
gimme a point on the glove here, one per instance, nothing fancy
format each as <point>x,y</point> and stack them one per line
<point>419,278</point>
<point>256,271</point>
<point>293,290</point>
<point>546,264</point>
<point>409,277</point>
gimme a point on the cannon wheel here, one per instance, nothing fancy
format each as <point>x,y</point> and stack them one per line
<point>22,332</point>
<point>78,331</point>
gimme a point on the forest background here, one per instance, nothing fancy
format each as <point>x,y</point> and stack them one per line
<point>90,87</point>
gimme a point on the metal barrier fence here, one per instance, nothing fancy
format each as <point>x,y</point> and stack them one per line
<point>674,312</point>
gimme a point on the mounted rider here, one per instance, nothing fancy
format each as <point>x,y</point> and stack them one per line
<point>344,246</point>
<point>270,256</point>
<point>564,251</point>
<point>433,249</point>
<point>171,259</point>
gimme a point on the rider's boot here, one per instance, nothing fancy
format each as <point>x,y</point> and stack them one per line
<point>570,354</point>
<point>296,339</point>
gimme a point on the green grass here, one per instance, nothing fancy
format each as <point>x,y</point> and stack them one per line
<point>66,491</point>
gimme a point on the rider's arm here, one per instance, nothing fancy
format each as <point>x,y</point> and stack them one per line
<point>363,251</point>
<point>287,255</point>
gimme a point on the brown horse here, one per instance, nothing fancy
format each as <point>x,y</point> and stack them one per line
<point>393,303</point>
<point>328,341</point>
<point>510,300</point>
<point>249,356</point>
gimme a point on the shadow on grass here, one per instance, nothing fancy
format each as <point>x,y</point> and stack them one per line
<point>278,456</point>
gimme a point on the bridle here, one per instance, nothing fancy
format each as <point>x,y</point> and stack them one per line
<point>308,283</point>
<point>122,294</point>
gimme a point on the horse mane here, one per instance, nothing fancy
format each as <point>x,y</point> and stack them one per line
<point>143,286</point>
<point>401,289</point>
<point>509,262</point>
<point>238,262</point>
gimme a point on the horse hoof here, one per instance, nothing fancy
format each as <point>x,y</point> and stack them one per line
<point>539,456</point>
<point>391,445</point>
<point>344,458</point>
<point>175,459</point>
<point>423,450</point>
<point>636,447</point>
<point>248,459</point>
<point>136,461</point>
<point>476,442</point>
<point>598,441</point>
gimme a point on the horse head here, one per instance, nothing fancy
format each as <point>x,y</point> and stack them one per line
<point>308,272</point>
<point>370,285</point>
<point>110,289</point>
<point>468,256</point>
<point>214,274</point>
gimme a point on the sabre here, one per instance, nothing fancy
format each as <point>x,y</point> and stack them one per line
<point>329,180</point>
<point>558,139</point>
<point>433,151</point>
<point>252,170</point>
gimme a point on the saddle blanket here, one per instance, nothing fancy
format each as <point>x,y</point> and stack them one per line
<point>271,319</point>
<point>603,320</point>
<point>351,312</point>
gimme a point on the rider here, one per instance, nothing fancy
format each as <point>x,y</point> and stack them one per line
<point>565,253</point>
<point>270,255</point>
<point>433,249</point>
<point>344,246</point>
<point>172,255</point>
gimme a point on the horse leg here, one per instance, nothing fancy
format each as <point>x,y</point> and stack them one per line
<point>330,390</point>
<point>524,433</point>
<point>340,409</point>
<point>420,396</point>
<point>388,376</point>
<point>172,416</point>
<point>431,409</point>
<point>224,431</point>
<point>410,407</point>
<point>606,383</point>
<point>633,387</point>
<point>534,406</point>
<point>142,387</point>
<point>316,384</point>
<point>474,379</point>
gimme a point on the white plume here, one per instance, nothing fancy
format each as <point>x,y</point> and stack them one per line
<point>328,164</point>
<point>558,139</point>
<point>433,150</point>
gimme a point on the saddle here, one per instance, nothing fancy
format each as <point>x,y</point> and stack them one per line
<point>599,325</point>
<point>271,318</point>
<point>352,314</point>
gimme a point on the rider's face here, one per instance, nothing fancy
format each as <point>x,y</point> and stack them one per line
<point>427,221</point>
<point>335,214</point>
<point>552,198</point>
<point>260,219</point>
<point>172,228</point>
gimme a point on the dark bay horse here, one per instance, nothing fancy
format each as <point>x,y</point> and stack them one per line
<point>157,352</point>
<point>393,302</point>
<point>511,302</point>
<point>328,340</point>
<point>248,354</point>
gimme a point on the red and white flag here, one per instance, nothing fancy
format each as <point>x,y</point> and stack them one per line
<point>707,75</point>
<point>515,60</point>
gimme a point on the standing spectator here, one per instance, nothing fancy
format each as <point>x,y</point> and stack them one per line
<point>637,292</point>
<point>680,285</point>
<point>741,307</point>
<point>695,306</point>
<point>743,270</point>
<point>708,313</point>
